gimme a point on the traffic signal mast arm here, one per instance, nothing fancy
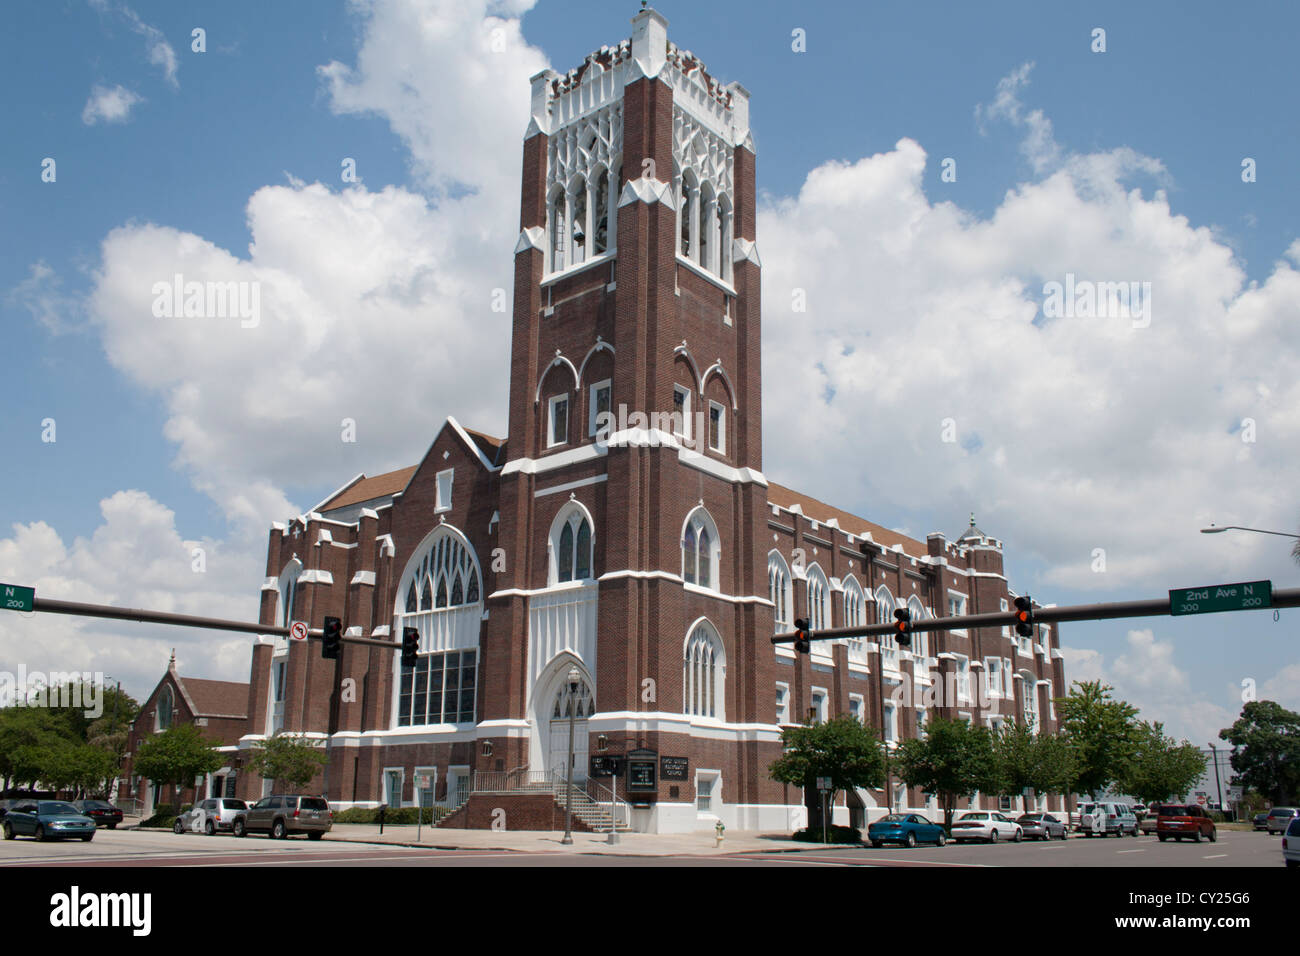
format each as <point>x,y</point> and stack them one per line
<point>187,620</point>
<point>1287,597</point>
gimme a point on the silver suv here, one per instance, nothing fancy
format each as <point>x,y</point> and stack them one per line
<point>280,816</point>
<point>211,815</point>
<point>1107,817</point>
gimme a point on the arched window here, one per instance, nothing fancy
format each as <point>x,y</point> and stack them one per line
<point>578,216</point>
<point>920,642</point>
<point>571,546</point>
<point>601,214</point>
<point>703,673</point>
<point>819,609</point>
<point>557,215</point>
<point>724,237</point>
<point>885,615</point>
<point>778,590</point>
<point>583,704</point>
<point>855,615</point>
<point>708,233</point>
<point>166,706</point>
<point>700,550</point>
<point>688,215</point>
<point>288,591</point>
<point>441,596</point>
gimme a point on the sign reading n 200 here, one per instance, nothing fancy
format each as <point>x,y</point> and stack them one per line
<point>15,598</point>
<point>1221,597</point>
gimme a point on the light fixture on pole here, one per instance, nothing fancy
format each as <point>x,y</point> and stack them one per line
<point>575,679</point>
<point>1214,529</point>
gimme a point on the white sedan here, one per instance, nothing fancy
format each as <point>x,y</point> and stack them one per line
<point>985,825</point>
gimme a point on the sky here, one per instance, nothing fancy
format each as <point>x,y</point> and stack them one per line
<point>926,174</point>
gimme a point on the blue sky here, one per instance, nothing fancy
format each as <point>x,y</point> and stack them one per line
<point>224,146</point>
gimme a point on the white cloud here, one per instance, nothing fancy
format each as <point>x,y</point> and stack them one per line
<point>1146,674</point>
<point>41,293</point>
<point>109,105</point>
<point>135,558</point>
<point>1074,434</point>
<point>161,53</point>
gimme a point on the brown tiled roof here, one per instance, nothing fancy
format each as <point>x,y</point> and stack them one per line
<point>820,511</point>
<point>491,446</point>
<point>216,698</point>
<point>366,489</point>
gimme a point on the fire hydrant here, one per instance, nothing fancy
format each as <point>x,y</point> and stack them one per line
<point>718,831</point>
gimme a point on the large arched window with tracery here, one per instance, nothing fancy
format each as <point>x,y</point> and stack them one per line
<point>885,615</point>
<point>572,546</point>
<point>701,550</point>
<point>855,615</point>
<point>442,598</point>
<point>704,673</point>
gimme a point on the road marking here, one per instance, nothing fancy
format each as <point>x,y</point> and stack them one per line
<point>1130,851</point>
<point>1214,856</point>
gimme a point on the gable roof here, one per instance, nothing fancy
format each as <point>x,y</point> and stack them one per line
<point>215,698</point>
<point>367,489</point>
<point>851,523</point>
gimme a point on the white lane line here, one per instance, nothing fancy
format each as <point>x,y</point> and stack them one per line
<point>1214,856</point>
<point>1130,851</point>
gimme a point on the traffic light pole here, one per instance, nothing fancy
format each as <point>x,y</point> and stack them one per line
<point>187,620</point>
<point>1287,597</point>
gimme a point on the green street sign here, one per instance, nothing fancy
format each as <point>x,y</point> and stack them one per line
<point>1221,597</point>
<point>16,598</point>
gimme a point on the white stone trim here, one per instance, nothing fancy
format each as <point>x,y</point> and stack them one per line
<point>316,576</point>
<point>534,237</point>
<point>570,485</point>
<point>364,577</point>
<point>647,190</point>
<point>704,273</point>
<point>745,250</point>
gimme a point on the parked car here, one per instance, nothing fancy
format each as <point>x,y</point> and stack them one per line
<point>1147,825</point>
<point>905,829</point>
<point>1279,818</point>
<point>1107,817</point>
<point>1041,826</point>
<point>211,815</point>
<point>1291,844</point>
<point>101,811</point>
<point>1261,821</point>
<point>986,825</point>
<point>47,820</point>
<point>1185,822</point>
<point>1139,811</point>
<point>281,816</point>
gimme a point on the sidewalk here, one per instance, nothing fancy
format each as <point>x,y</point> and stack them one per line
<point>541,841</point>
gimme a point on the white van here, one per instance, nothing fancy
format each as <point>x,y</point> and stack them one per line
<point>1107,817</point>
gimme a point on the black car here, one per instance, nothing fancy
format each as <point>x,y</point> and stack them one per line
<point>101,811</point>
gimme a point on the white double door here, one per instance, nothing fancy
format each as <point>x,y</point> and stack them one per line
<point>559,751</point>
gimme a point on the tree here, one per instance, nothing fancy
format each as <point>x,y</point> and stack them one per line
<point>289,760</point>
<point>1266,749</point>
<point>843,749</point>
<point>1027,760</point>
<point>25,733</point>
<point>1101,732</point>
<point>953,760</point>
<point>176,756</point>
<point>1160,768</point>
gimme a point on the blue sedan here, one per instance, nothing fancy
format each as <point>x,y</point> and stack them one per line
<point>906,829</point>
<point>48,820</point>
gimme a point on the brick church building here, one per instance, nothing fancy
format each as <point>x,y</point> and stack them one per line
<point>620,555</point>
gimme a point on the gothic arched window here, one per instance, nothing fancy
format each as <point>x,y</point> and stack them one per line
<point>778,590</point>
<point>571,546</point>
<point>819,605</point>
<point>700,550</point>
<point>704,673</point>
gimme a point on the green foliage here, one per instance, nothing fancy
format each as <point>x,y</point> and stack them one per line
<point>1266,750</point>
<point>291,761</point>
<point>1160,769</point>
<point>953,760</point>
<point>401,815</point>
<point>842,749</point>
<point>1102,734</point>
<point>834,834</point>
<point>1042,762</point>
<point>176,756</point>
<point>24,734</point>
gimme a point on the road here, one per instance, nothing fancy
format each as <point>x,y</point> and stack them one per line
<point>153,849</point>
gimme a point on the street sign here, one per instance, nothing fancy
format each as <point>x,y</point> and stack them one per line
<point>1221,597</point>
<point>14,597</point>
<point>298,630</point>
<point>823,783</point>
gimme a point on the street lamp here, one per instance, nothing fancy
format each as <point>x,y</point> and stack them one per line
<point>575,679</point>
<point>1212,529</point>
<point>1218,783</point>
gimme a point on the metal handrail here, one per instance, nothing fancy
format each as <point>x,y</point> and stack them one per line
<point>620,811</point>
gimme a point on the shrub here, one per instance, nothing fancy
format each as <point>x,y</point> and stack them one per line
<point>834,834</point>
<point>394,815</point>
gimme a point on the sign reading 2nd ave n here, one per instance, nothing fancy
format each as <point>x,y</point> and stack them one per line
<point>1221,597</point>
<point>16,598</point>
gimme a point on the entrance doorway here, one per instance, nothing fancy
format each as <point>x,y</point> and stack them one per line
<point>582,706</point>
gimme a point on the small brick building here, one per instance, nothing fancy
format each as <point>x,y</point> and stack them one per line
<point>624,530</point>
<point>218,708</point>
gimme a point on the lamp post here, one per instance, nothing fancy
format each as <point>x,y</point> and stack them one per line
<point>1217,782</point>
<point>575,679</point>
<point>1213,529</point>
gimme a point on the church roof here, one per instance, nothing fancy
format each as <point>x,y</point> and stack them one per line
<point>850,523</point>
<point>215,698</point>
<point>367,489</point>
<point>972,532</point>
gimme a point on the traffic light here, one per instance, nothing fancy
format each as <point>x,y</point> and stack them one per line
<point>332,645</point>
<point>802,636</point>
<point>410,646</point>
<point>1024,616</point>
<point>903,626</point>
